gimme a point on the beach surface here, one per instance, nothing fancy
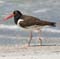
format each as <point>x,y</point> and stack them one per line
<point>32,52</point>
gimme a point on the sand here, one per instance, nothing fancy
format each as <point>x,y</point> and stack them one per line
<point>32,52</point>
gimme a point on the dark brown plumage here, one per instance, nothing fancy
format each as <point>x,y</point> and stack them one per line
<point>30,21</point>
<point>25,21</point>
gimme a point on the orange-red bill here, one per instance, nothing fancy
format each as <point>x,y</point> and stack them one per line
<point>8,17</point>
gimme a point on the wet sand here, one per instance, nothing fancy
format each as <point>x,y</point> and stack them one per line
<point>32,52</point>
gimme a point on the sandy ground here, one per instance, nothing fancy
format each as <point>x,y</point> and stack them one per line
<point>32,52</point>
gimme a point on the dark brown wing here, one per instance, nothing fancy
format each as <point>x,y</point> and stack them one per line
<point>29,21</point>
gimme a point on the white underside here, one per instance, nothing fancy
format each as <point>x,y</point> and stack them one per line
<point>35,27</point>
<point>32,28</point>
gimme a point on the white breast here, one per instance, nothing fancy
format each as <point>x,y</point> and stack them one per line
<point>19,21</point>
<point>35,27</point>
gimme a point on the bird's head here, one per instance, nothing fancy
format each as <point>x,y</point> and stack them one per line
<point>16,14</point>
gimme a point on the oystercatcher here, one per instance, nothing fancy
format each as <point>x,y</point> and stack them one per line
<point>29,22</point>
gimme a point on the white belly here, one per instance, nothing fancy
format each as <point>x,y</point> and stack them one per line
<point>35,27</point>
<point>31,28</point>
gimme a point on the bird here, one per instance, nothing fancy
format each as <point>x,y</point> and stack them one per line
<point>29,23</point>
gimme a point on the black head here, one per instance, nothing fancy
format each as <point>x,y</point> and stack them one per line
<point>17,15</point>
<point>17,12</point>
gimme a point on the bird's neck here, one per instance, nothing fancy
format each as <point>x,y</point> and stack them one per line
<point>16,18</point>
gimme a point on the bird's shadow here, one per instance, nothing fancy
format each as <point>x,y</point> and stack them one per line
<point>40,45</point>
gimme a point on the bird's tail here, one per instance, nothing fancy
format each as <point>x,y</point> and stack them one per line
<point>53,24</point>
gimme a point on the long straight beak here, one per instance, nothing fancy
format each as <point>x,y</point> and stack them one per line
<point>8,17</point>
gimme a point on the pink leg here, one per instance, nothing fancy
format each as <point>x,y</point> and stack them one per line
<point>30,38</point>
<point>39,37</point>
